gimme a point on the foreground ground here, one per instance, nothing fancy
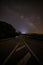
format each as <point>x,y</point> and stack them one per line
<point>21,51</point>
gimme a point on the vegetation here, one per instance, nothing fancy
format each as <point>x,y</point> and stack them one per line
<point>35,36</point>
<point>6,30</point>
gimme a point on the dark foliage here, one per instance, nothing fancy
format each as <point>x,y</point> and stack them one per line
<point>6,30</point>
<point>36,36</point>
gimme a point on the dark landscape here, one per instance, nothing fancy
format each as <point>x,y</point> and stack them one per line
<point>21,32</point>
<point>21,49</point>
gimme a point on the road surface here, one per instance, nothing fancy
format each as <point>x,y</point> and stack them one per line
<point>20,51</point>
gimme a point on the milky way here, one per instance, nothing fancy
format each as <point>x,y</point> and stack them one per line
<point>25,17</point>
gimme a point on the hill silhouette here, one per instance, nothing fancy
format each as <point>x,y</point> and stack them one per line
<point>35,36</point>
<point>6,30</point>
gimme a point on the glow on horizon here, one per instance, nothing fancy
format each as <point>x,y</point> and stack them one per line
<point>23,32</point>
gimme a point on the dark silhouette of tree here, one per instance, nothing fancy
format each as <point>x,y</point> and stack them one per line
<point>6,30</point>
<point>18,33</point>
<point>36,36</point>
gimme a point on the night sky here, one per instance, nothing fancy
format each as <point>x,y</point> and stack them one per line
<point>26,17</point>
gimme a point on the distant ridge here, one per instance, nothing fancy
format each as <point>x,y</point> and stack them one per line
<point>35,36</point>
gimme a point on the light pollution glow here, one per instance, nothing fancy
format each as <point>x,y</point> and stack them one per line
<point>25,18</point>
